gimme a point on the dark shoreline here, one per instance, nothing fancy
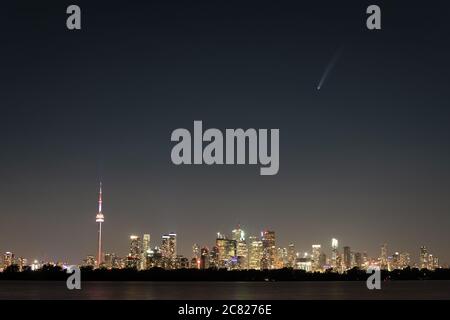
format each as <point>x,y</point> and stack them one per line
<point>157,274</point>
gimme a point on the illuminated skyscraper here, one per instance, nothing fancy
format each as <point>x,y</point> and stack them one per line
<point>334,253</point>
<point>145,250</point>
<point>8,259</point>
<point>423,257</point>
<point>358,260</point>
<point>214,258</point>
<point>255,253</point>
<point>269,249</point>
<point>169,250</point>
<point>135,254</point>
<point>238,236</point>
<point>99,218</point>
<point>315,258</point>
<point>204,258</point>
<point>291,256</point>
<point>347,258</point>
<point>322,260</point>
<point>226,252</point>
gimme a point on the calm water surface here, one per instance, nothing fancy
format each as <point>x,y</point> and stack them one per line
<point>224,290</point>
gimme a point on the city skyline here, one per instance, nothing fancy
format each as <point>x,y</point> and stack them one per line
<point>365,159</point>
<point>240,250</point>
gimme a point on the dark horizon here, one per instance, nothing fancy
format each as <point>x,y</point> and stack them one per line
<point>365,159</point>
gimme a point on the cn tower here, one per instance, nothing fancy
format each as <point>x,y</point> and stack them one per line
<point>100,219</point>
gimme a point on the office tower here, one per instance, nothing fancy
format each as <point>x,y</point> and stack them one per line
<point>183,262</point>
<point>195,261</point>
<point>269,249</point>
<point>315,258</point>
<point>238,236</point>
<point>145,250</point>
<point>383,257</point>
<point>23,263</point>
<point>347,258</point>
<point>334,253</point>
<point>155,259</point>
<point>365,260</point>
<point>322,260</point>
<point>436,263</point>
<point>430,262</point>
<point>255,253</point>
<point>8,259</point>
<point>281,258</point>
<point>214,258</point>
<point>226,252</point>
<point>358,260</point>
<point>204,258</point>
<point>196,251</point>
<point>99,218</point>
<point>169,250</point>
<point>395,262</point>
<point>107,261</point>
<point>423,258</point>
<point>291,256</point>
<point>135,254</point>
<point>404,260</point>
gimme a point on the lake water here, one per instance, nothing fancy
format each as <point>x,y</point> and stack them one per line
<point>224,290</point>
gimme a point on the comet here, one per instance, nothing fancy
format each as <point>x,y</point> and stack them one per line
<point>329,67</point>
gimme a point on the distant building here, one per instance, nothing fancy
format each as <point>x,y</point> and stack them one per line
<point>316,264</point>
<point>334,253</point>
<point>269,249</point>
<point>255,253</point>
<point>145,250</point>
<point>423,258</point>
<point>347,258</point>
<point>169,250</point>
<point>204,258</point>
<point>226,252</point>
<point>135,253</point>
<point>291,256</point>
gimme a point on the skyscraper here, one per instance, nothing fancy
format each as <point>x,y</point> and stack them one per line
<point>347,258</point>
<point>145,250</point>
<point>226,251</point>
<point>134,256</point>
<point>315,257</point>
<point>238,235</point>
<point>99,218</point>
<point>423,257</point>
<point>255,253</point>
<point>204,259</point>
<point>291,256</point>
<point>169,250</point>
<point>8,259</point>
<point>334,253</point>
<point>269,249</point>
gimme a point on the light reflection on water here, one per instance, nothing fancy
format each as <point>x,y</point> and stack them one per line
<point>224,290</point>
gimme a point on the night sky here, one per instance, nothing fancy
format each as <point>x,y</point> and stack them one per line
<point>366,159</point>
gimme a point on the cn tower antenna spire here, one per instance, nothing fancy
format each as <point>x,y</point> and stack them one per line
<point>99,218</point>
